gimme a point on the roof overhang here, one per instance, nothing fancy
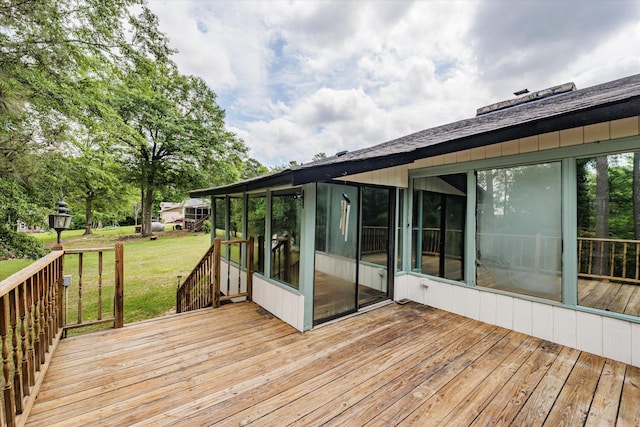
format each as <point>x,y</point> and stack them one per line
<point>581,108</point>
<point>619,110</point>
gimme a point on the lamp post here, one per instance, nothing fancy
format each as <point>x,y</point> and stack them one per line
<point>60,221</point>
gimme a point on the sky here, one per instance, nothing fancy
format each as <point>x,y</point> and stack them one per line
<point>299,78</point>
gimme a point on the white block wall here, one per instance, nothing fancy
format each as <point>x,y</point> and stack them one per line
<point>593,333</point>
<point>282,303</point>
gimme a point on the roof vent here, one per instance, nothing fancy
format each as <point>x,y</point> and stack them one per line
<point>341,153</point>
<point>526,97</point>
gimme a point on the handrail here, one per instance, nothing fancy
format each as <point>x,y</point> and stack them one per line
<point>30,329</point>
<point>197,225</point>
<point>202,287</point>
<point>281,258</point>
<point>609,259</point>
<point>32,322</point>
<point>117,319</point>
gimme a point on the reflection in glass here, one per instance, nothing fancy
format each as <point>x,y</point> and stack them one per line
<point>235,229</point>
<point>399,220</point>
<point>335,252</point>
<point>256,215</point>
<point>519,245</point>
<point>374,246</point>
<point>286,211</point>
<point>439,206</point>
<point>219,221</point>
<point>608,235</point>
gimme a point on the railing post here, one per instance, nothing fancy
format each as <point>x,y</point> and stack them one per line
<point>250,269</point>
<point>61,303</point>
<point>118,302</point>
<point>9,397</point>
<point>216,268</point>
<point>26,365</point>
<point>17,363</point>
<point>80,258</point>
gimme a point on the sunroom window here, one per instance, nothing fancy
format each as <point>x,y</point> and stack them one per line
<point>256,215</point>
<point>608,222</point>
<point>235,228</point>
<point>439,206</point>
<point>286,212</point>
<point>518,239</point>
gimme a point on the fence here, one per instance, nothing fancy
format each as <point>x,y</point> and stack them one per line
<point>32,322</point>
<point>202,288</point>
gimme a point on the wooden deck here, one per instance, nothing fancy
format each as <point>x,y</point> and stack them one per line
<point>395,365</point>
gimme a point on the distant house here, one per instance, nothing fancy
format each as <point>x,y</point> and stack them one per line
<point>170,212</point>
<point>504,217</point>
<point>191,212</point>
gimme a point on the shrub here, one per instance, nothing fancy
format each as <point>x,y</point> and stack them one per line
<point>19,245</point>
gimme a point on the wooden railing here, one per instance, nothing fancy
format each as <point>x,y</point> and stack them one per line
<point>30,328</point>
<point>202,288</point>
<point>281,258</point>
<point>609,259</point>
<point>117,315</point>
<point>375,239</point>
<point>523,251</point>
<point>32,322</point>
<point>195,224</point>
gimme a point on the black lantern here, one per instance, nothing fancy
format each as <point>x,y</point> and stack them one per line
<point>61,220</point>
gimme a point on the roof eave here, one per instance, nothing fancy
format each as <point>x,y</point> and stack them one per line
<point>282,178</point>
<point>613,111</point>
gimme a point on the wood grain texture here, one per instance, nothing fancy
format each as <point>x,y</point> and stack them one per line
<point>395,365</point>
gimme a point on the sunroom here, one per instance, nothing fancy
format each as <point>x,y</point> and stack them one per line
<point>521,217</point>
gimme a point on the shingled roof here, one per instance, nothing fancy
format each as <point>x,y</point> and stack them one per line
<point>609,101</point>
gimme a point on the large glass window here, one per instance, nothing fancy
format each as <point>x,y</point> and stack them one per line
<point>220,208</point>
<point>373,274</point>
<point>286,211</point>
<point>374,242</point>
<point>439,206</point>
<point>236,210</point>
<point>256,216</point>
<point>335,282</point>
<point>609,232</point>
<point>399,221</point>
<point>518,236</point>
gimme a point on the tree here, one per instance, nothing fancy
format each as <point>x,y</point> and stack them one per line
<point>636,195</point>
<point>319,156</point>
<point>49,49</point>
<point>602,214</point>
<point>42,46</point>
<point>179,137</point>
<point>252,168</point>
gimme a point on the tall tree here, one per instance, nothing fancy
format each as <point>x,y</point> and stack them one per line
<point>179,139</point>
<point>636,195</point>
<point>601,263</point>
<point>44,45</point>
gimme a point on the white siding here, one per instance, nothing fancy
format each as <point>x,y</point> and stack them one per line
<point>613,338</point>
<point>282,303</point>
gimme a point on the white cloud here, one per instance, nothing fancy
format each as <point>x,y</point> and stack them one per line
<point>301,77</point>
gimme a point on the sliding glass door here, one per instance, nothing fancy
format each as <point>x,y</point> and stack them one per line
<point>336,251</point>
<point>351,249</point>
<point>373,268</point>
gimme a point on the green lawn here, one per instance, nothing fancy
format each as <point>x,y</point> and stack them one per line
<point>151,268</point>
<point>10,266</point>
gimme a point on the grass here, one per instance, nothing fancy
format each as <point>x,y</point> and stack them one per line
<point>10,266</point>
<point>151,268</point>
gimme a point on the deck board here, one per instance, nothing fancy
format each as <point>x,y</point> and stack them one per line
<point>395,365</point>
